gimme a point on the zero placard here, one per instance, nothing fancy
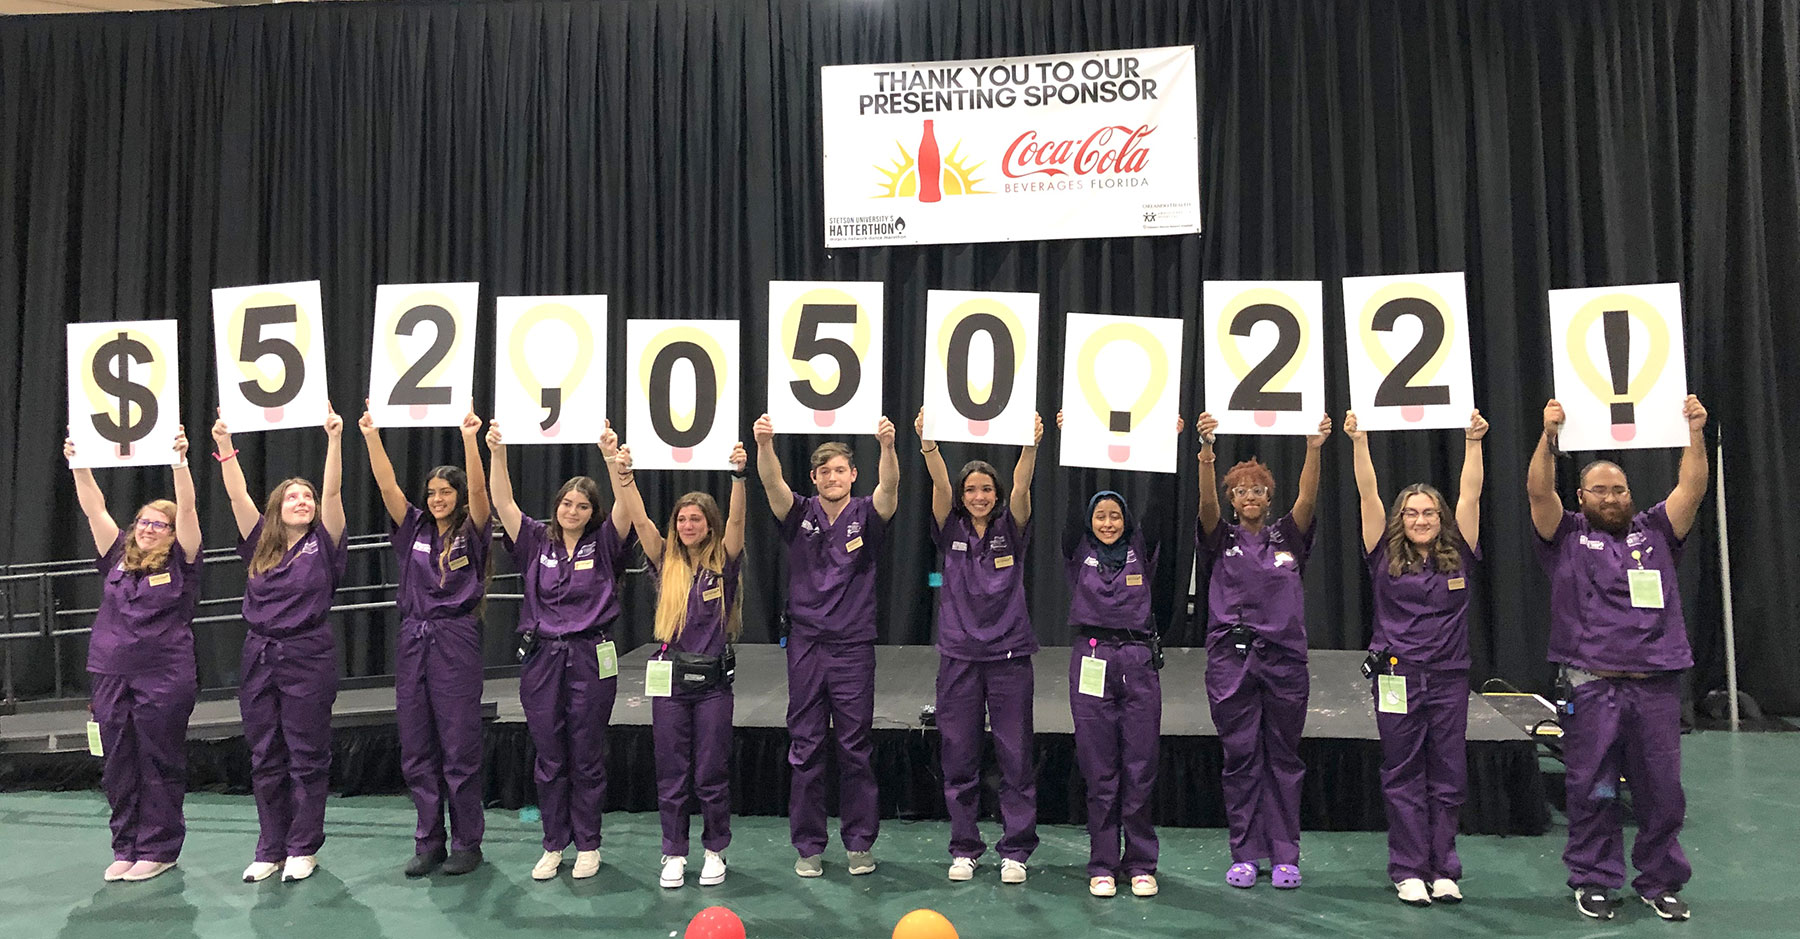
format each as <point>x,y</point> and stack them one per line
<point>681,411</point>
<point>981,372</point>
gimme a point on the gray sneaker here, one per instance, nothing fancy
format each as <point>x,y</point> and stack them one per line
<point>861,862</point>
<point>810,866</point>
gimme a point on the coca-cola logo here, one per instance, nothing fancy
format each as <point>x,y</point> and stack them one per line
<point>1111,149</point>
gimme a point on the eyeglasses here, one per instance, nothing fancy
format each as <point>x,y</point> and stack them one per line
<point>152,525</point>
<point>1608,492</point>
<point>1261,492</point>
<point>1412,514</point>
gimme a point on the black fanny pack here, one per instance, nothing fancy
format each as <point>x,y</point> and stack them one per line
<point>696,672</point>
<point>1243,639</point>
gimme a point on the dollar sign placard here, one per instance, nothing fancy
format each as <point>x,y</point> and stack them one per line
<point>270,345</point>
<point>124,403</point>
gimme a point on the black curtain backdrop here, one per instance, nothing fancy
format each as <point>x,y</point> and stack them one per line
<point>667,154</point>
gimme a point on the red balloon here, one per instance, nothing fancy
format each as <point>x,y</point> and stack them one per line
<point>715,922</point>
<point>924,924</point>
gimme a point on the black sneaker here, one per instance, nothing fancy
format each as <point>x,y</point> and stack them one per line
<point>1595,901</point>
<point>462,862</point>
<point>425,862</point>
<point>1668,907</point>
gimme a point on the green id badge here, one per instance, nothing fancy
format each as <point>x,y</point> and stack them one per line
<point>1646,589</point>
<point>1093,677</point>
<point>94,746</point>
<point>1391,694</point>
<point>659,675</point>
<point>609,659</point>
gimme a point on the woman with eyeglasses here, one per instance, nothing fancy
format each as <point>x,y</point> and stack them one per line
<point>1421,560</point>
<point>141,663</point>
<point>1256,679</point>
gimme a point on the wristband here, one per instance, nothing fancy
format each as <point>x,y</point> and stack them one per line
<point>225,457</point>
<point>932,450</point>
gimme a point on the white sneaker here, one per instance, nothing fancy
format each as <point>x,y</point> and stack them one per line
<point>299,868</point>
<point>712,873</point>
<point>1412,892</point>
<point>260,871</point>
<point>962,868</point>
<point>547,866</point>
<point>1143,885</point>
<point>1445,890</point>
<point>674,871</point>
<point>1012,872</point>
<point>860,862</point>
<point>144,870</point>
<point>1102,886</point>
<point>587,864</point>
<point>116,870</point>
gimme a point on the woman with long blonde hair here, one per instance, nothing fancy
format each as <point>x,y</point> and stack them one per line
<point>698,562</point>
<point>141,663</point>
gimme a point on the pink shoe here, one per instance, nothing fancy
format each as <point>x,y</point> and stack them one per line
<point>1285,877</point>
<point>1242,874</point>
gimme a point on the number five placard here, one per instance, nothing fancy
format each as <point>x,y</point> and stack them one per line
<point>681,393</point>
<point>422,369</point>
<point>550,368</point>
<point>1265,368</point>
<point>1408,339</point>
<point>124,402</point>
<point>270,342</point>
<point>980,366</point>
<point>825,356</point>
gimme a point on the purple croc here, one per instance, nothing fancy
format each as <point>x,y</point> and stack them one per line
<point>1242,874</point>
<point>1285,877</point>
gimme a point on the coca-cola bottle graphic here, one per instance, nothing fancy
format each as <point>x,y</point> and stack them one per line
<point>931,167</point>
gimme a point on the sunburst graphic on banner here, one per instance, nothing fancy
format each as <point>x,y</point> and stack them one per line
<point>901,179</point>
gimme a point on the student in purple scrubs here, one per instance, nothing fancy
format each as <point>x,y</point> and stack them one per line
<point>833,542</point>
<point>294,554</point>
<point>442,552</point>
<point>141,663</point>
<point>1256,679</point>
<point>1117,710</point>
<point>698,562</point>
<point>1616,629</point>
<point>1421,561</point>
<point>985,643</point>
<point>570,574</point>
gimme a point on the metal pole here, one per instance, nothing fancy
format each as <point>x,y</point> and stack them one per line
<point>1731,678</point>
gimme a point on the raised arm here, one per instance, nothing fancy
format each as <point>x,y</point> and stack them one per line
<point>331,495</point>
<point>734,522</point>
<point>625,490</point>
<point>1468,491</point>
<point>768,469</point>
<point>1023,471</point>
<point>609,452</point>
<point>500,482</point>
<point>1540,477</point>
<point>1690,484</point>
<point>479,506</point>
<point>93,503</point>
<point>1368,491</point>
<point>887,473</point>
<point>187,514</point>
<point>243,508</point>
<point>1307,498</point>
<point>935,468</point>
<point>391,496</point>
<point>1208,427</point>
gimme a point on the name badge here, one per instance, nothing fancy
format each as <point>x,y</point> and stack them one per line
<point>608,656</point>
<point>1390,693</point>
<point>1003,561</point>
<point>458,563</point>
<point>1134,580</point>
<point>959,546</point>
<point>1093,677</point>
<point>157,580</point>
<point>586,565</point>
<point>853,543</point>
<point>713,594</point>
<point>1646,589</point>
<point>659,677</point>
<point>1457,583</point>
<point>93,733</point>
<point>422,547</point>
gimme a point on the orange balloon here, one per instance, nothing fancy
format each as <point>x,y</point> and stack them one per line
<point>715,922</point>
<point>924,924</point>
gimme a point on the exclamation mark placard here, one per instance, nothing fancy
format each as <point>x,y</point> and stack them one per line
<point>1615,328</point>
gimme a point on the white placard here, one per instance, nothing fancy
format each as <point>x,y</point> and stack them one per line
<point>1408,351</point>
<point>1085,145</point>
<point>550,369</point>
<point>1121,392</point>
<point>1265,356</point>
<point>1620,366</point>
<point>825,361</point>
<point>422,367</point>
<point>981,366</point>
<point>270,345</point>
<point>124,393</point>
<point>681,401</point>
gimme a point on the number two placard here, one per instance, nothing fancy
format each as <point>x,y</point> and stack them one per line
<point>1265,365</point>
<point>270,345</point>
<point>1408,351</point>
<point>825,356</point>
<point>422,368</point>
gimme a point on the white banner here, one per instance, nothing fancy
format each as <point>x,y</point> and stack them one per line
<point>681,401</point>
<point>981,367</point>
<point>825,356</point>
<point>270,343</point>
<point>1408,351</point>
<point>124,396</point>
<point>422,365</point>
<point>1089,145</point>
<point>550,369</point>
<point>1620,367</point>
<point>1265,356</point>
<point>1121,392</point>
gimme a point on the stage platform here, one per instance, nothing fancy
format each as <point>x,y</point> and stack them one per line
<point>45,747</point>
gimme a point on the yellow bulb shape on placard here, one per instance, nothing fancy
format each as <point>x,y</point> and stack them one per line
<point>304,331</point>
<point>669,337</point>
<point>159,370</point>
<point>973,307</point>
<point>1655,357</point>
<point>521,366</point>
<point>1228,343</point>
<point>397,355</point>
<point>790,332</point>
<point>1119,450</point>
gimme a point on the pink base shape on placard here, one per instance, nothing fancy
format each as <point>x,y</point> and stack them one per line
<point>824,418</point>
<point>418,411</point>
<point>273,415</point>
<point>1119,452</point>
<point>1264,418</point>
<point>1624,432</point>
<point>978,428</point>
<point>552,430</point>
<point>682,454</point>
<point>124,451</point>
<point>1412,413</point>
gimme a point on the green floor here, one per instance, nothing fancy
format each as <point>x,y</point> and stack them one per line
<point>1743,824</point>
